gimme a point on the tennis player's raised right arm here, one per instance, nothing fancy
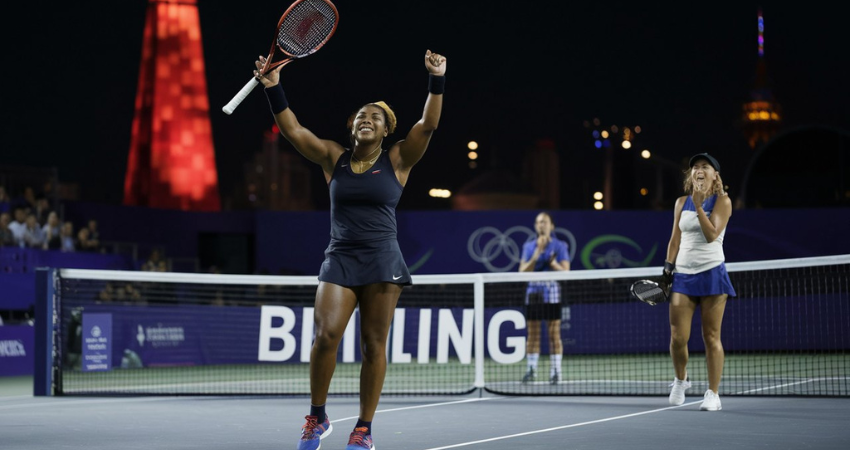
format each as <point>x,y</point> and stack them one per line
<point>320,151</point>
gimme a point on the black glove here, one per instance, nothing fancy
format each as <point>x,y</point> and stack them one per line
<point>667,276</point>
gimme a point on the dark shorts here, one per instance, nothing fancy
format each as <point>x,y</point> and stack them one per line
<point>711,282</point>
<point>360,263</point>
<point>543,311</point>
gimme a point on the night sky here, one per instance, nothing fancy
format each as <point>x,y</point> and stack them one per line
<point>536,70</point>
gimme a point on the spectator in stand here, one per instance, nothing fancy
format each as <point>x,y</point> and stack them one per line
<point>84,244</point>
<point>18,225</point>
<point>94,235</point>
<point>124,292</point>
<point>26,200</point>
<point>42,210</point>
<point>52,232</point>
<point>34,236</point>
<point>155,262</point>
<point>5,200</point>
<point>68,244</point>
<point>7,239</point>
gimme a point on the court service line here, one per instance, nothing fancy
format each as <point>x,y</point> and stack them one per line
<point>563,427</point>
<point>429,405</point>
<point>778,386</point>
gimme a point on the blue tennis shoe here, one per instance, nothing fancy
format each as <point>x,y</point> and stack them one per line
<point>360,440</point>
<point>313,432</point>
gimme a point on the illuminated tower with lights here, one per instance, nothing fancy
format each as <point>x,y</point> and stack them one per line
<point>172,160</point>
<point>761,114</point>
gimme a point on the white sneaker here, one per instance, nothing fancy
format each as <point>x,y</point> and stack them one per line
<point>677,394</point>
<point>711,402</point>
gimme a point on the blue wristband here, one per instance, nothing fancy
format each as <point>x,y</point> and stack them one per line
<point>436,84</point>
<point>277,98</point>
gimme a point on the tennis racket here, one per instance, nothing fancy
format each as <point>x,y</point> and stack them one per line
<point>649,292</point>
<point>303,29</point>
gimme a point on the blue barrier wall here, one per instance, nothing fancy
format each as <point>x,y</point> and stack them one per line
<point>17,271</point>
<point>472,242</point>
<point>433,242</point>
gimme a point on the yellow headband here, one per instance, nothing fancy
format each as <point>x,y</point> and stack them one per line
<point>391,119</point>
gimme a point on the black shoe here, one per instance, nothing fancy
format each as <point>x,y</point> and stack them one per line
<point>556,378</point>
<point>529,376</point>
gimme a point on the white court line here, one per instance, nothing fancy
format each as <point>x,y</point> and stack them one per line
<point>563,427</point>
<point>419,407</point>
<point>53,404</point>
<point>768,388</point>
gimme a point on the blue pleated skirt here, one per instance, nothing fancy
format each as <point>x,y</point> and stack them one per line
<point>711,282</point>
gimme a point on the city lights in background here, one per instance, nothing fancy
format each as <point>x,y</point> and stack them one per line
<point>645,154</point>
<point>606,137</point>
<point>598,205</point>
<point>472,155</point>
<point>440,193</point>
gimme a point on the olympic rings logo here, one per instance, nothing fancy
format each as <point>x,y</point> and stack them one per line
<point>500,252</point>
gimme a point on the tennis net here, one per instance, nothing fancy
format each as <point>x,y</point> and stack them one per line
<point>146,333</point>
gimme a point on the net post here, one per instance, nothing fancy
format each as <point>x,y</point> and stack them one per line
<point>44,324</point>
<point>478,314</point>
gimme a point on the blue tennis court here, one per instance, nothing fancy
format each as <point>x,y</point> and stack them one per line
<point>420,423</point>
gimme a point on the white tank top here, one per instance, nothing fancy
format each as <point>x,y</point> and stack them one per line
<point>695,253</point>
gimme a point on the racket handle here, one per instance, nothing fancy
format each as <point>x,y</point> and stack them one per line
<point>237,99</point>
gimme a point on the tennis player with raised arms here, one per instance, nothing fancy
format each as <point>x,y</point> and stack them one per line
<point>695,262</point>
<point>363,266</point>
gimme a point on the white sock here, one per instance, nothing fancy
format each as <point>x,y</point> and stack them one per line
<point>532,360</point>
<point>555,364</point>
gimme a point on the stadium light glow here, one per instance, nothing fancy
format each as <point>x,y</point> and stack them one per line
<point>440,193</point>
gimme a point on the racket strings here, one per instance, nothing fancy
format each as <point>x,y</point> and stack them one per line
<point>307,26</point>
<point>649,292</point>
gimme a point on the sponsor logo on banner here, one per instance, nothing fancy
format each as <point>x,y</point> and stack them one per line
<point>97,342</point>
<point>161,336</point>
<point>441,334</point>
<point>12,349</point>
<point>502,251</point>
<point>612,251</point>
<point>17,350</point>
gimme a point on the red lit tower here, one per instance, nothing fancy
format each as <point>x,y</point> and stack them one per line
<point>172,159</point>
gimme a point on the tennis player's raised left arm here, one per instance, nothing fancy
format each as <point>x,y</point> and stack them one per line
<point>713,226</point>
<point>416,142</point>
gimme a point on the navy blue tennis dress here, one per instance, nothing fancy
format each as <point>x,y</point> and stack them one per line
<point>364,234</point>
<point>700,268</point>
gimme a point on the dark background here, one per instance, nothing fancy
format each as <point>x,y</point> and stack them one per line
<point>517,73</point>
